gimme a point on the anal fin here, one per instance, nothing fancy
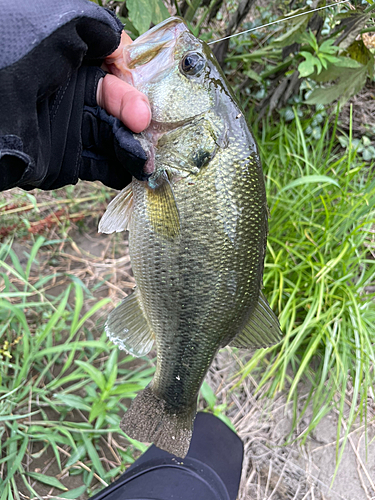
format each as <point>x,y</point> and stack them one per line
<point>128,328</point>
<point>118,213</point>
<point>262,328</point>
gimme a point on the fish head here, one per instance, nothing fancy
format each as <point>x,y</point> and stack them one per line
<point>174,69</point>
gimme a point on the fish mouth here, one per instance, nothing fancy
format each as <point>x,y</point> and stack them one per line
<point>156,45</point>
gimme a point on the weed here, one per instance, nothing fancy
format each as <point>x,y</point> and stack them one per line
<point>318,271</point>
<point>62,386</point>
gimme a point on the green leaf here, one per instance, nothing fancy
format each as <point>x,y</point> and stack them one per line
<point>366,141</point>
<point>313,41</point>
<point>127,390</point>
<point>17,461</point>
<point>159,11</point>
<point>316,132</point>
<point>349,84</point>
<point>336,71</point>
<point>367,154</point>
<point>111,369</point>
<point>357,145</point>
<point>328,47</point>
<point>306,68</point>
<point>253,75</point>
<point>89,313</point>
<point>343,140</point>
<point>75,493</point>
<point>78,304</point>
<point>81,344</point>
<point>208,394</point>
<point>322,59</point>
<point>93,454</point>
<point>129,26</point>
<point>39,242</point>
<point>77,455</point>
<point>54,319</point>
<point>8,418</point>
<point>140,14</point>
<point>310,179</point>
<point>72,401</point>
<point>98,408</point>
<point>51,481</point>
<point>332,59</point>
<point>96,375</point>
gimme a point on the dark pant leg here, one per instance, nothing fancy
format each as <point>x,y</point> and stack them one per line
<point>210,471</point>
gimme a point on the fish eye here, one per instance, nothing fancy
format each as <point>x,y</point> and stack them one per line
<point>192,63</point>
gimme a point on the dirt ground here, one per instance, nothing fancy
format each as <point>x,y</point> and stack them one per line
<point>278,469</point>
<point>274,466</point>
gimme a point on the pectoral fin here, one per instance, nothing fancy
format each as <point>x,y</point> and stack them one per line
<point>127,326</point>
<point>262,328</point>
<point>118,213</point>
<point>162,209</point>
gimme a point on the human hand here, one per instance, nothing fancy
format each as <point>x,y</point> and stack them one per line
<point>119,98</point>
<point>53,128</point>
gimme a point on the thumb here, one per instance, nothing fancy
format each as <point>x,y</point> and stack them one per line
<point>124,102</point>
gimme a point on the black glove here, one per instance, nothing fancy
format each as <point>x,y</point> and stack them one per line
<point>51,130</point>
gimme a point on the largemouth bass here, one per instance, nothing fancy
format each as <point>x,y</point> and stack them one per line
<point>197,233</point>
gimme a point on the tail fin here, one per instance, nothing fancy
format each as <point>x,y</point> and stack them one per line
<point>148,419</point>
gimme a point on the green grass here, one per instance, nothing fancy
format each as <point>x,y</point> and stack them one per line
<point>62,385</point>
<point>318,269</point>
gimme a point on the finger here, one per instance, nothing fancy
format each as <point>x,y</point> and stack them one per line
<point>124,102</point>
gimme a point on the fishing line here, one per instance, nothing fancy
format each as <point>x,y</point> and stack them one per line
<point>279,21</point>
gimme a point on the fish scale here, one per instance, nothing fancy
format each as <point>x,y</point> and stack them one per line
<point>197,234</point>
